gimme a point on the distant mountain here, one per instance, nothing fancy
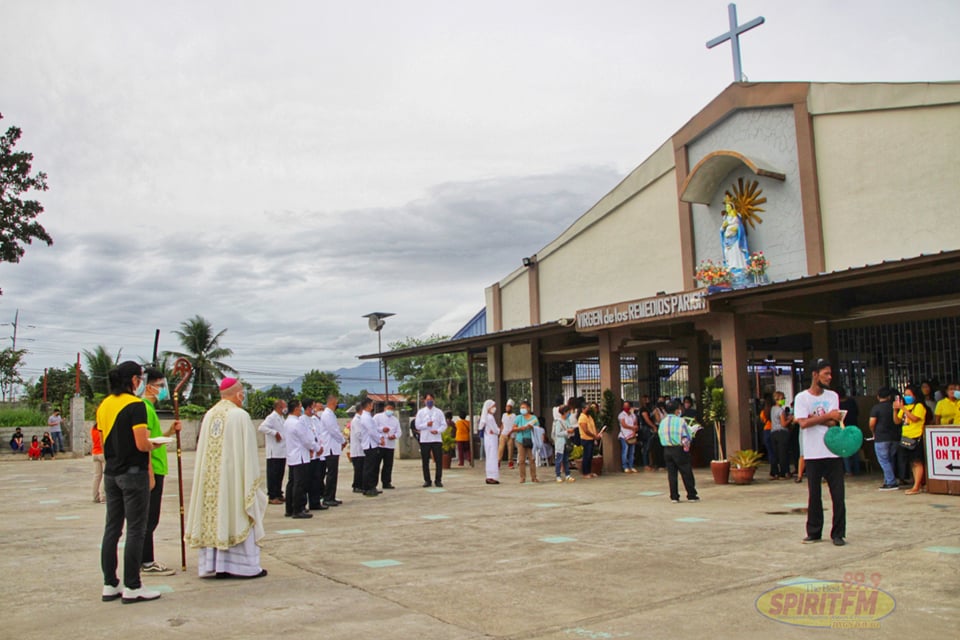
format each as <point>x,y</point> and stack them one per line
<point>353,380</point>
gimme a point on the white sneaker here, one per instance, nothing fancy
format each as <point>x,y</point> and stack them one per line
<point>559,479</point>
<point>571,479</point>
<point>111,593</point>
<point>156,569</point>
<point>139,595</point>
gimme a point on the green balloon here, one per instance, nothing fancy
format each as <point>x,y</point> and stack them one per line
<point>843,441</point>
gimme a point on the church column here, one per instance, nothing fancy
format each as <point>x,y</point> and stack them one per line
<point>609,352</point>
<point>495,375</point>
<point>736,383</point>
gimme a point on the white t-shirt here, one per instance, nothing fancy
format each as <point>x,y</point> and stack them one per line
<point>629,419</point>
<point>806,405</point>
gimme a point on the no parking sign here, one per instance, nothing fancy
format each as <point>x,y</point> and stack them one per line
<point>943,453</point>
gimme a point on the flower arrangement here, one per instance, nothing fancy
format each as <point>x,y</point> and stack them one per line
<point>757,264</point>
<point>710,273</point>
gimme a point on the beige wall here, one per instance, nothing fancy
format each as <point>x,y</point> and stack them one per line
<point>632,252</point>
<point>884,172</point>
<point>517,364</point>
<point>515,300</point>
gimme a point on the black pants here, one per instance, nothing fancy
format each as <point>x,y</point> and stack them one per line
<point>330,482</point>
<point>128,498</point>
<point>357,462</point>
<point>371,465</point>
<point>153,518</point>
<point>386,470</point>
<point>780,438</point>
<point>315,490</point>
<point>832,470</point>
<point>275,470</point>
<point>436,450</point>
<point>586,462</point>
<point>299,480</point>
<point>676,459</point>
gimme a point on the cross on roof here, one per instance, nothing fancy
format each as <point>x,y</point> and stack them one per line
<point>734,37</point>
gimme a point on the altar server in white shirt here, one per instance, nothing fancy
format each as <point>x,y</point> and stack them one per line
<point>272,430</point>
<point>333,445</point>
<point>389,427</point>
<point>431,423</point>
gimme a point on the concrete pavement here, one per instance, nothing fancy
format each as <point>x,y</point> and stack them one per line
<point>603,558</point>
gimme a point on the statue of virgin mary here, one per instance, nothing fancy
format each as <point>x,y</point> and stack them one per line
<point>733,241</point>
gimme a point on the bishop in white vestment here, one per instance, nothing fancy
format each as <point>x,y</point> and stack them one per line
<point>227,501</point>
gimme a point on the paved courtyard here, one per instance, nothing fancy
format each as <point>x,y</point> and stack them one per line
<point>604,558</point>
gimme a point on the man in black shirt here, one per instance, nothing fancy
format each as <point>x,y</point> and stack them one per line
<point>886,436</point>
<point>128,480</point>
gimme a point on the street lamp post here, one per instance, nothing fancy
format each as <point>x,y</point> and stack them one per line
<point>375,321</point>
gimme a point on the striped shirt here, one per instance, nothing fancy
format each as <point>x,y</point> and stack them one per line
<point>673,429</point>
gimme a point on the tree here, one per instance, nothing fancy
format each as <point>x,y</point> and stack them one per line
<point>204,352</point>
<point>99,363</point>
<point>444,375</point>
<point>10,362</point>
<point>61,385</point>
<point>18,216</point>
<point>317,385</point>
<point>280,393</point>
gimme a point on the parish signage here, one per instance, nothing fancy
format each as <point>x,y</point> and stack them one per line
<point>943,453</point>
<point>662,307</point>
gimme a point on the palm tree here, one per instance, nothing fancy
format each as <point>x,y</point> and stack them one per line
<point>204,352</point>
<point>99,363</point>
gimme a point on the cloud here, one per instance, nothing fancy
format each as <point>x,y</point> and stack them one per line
<point>291,287</point>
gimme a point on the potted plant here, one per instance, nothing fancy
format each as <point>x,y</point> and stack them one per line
<point>713,276</point>
<point>607,418</point>
<point>743,465</point>
<point>715,413</point>
<point>757,267</point>
<point>448,445</point>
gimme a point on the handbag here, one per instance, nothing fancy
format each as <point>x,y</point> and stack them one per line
<point>632,441</point>
<point>909,443</point>
<point>525,439</point>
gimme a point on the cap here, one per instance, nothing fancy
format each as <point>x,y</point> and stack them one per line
<point>226,383</point>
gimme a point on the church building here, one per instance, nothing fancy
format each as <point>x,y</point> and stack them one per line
<point>785,220</point>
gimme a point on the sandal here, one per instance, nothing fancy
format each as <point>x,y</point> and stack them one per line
<point>911,492</point>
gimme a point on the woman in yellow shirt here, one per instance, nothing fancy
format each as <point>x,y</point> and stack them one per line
<point>911,413</point>
<point>463,440</point>
<point>588,438</point>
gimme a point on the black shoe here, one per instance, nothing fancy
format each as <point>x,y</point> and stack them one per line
<point>303,515</point>
<point>373,493</point>
<point>694,499</point>
<point>389,486</point>
<point>319,507</point>
<point>839,542</point>
<point>288,515</point>
<point>327,505</point>
<point>358,490</point>
<point>427,484</point>
<point>378,491</point>
<point>337,502</point>
<point>438,483</point>
<point>810,540</point>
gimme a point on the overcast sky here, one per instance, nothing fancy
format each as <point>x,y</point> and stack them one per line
<point>282,168</point>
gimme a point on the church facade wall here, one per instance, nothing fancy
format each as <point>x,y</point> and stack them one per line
<point>889,183</point>
<point>515,301</point>
<point>632,252</point>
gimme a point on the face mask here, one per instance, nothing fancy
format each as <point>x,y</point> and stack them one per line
<point>429,404</point>
<point>908,399</point>
<point>163,394</point>
<point>389,412</point>
<point>285,412</point>
<point>523,411</point>
<point>781,402</point>
<point>141,388</point>
<point>956,395</point>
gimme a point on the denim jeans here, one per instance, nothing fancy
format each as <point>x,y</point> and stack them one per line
<point>627,452</point>
<point>887,457</point>
<point>562,459</point>
<point>128,498</point>
<point>57,437</point>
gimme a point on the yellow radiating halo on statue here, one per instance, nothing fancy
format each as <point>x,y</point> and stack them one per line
<point>746,201</point>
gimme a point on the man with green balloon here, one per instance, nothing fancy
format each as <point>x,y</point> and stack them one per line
<point>825,443</point>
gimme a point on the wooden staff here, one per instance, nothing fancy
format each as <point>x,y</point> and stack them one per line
<point>182,368</point>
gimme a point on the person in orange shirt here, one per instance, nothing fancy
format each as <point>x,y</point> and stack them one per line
<point>97,454</point>
<point>463,440</point>
<point>768,433</point>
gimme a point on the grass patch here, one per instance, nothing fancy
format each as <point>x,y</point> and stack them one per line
<point>22,418</point>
